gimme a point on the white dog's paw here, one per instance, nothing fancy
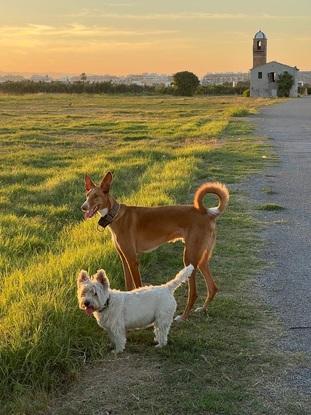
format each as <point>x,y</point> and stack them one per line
<point>117,351</point>
<point>179,319</point>
<point>159,346</point>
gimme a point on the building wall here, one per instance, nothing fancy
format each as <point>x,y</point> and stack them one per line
<point>264,87</point>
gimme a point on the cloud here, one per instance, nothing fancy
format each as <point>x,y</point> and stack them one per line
<point>75,30</point>
<point>199,15</point>
<point>158,16</point>
<point>77,37</point>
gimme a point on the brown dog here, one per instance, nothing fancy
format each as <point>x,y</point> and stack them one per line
<point>137,229</point>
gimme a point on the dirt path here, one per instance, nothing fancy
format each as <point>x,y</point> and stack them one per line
<point>286,282</point>
<point>108,387</point>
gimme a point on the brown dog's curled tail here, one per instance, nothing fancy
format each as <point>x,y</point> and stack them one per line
<point>217,189</point>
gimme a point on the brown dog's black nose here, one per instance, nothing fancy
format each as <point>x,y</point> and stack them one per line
<point>86,303</point>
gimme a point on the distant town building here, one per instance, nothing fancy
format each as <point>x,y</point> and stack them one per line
<point>263,75</point>
<point>144,79</point>
<point>40,78</point>
<point>12,78</point>
<point>304,77</point>
<point>148,79</point>
<point>214,78</point>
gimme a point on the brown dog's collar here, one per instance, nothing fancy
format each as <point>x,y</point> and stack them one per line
<point>108,219</point>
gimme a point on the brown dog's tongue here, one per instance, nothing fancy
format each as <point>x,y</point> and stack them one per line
<point>87,214</point>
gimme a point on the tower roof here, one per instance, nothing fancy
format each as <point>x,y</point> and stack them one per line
<point>260,35</point>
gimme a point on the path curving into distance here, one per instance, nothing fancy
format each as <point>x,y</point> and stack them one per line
<point>286,283</point>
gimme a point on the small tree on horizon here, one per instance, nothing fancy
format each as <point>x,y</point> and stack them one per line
<point>285,83</point>
<point>83,77</point>
<point>185,83</point>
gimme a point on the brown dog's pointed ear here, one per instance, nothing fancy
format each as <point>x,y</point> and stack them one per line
<point>102,278</point>
<point>89,184</point>
<point>82,277</point>
<point>106,182</point>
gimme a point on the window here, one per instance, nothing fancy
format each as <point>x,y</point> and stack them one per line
<point>271,76</point>
<point>259,44</point>
<point>259,75</point>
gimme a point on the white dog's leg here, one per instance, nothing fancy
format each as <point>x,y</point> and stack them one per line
<point>118,339</point>
<point>156,333</point>
<point>162,330</point>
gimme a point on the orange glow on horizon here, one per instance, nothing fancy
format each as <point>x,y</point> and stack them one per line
<point>98,42</point>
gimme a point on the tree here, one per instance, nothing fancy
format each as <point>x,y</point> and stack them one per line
<point>83,77</point>
<point>285,82</point>
<point>185,83</point>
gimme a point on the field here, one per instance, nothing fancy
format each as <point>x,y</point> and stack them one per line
<point>160,149</point>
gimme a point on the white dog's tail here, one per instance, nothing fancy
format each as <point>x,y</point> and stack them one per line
<point>181,277</point>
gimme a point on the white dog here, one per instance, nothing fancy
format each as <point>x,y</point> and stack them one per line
<point>117,311</point>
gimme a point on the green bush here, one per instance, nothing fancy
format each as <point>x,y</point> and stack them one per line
<point>239,112</point>
<point>79,87</point>
<point>185,83</point>
<point>223,89</point>
<point>246,93</point>
<point>285,83</point>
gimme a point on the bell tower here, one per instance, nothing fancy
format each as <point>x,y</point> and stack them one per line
<point>259,49</point>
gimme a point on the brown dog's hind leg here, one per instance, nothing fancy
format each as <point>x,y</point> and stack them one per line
<point>191,256</point>
<point>192,296</point>
<point>210,283</point>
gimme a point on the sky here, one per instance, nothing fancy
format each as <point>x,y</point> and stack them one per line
<point>164,36</point>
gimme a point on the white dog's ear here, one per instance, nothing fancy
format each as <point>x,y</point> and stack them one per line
<point>82,277</point>
<point>102,278</point>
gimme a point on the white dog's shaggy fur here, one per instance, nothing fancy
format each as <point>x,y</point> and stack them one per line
<point>117,311</point>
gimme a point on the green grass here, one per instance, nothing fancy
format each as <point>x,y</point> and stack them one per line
<point>241,111</point>
<point>271,207</point>
<point>160,149</point>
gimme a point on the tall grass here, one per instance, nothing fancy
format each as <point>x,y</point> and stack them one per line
<point>157,147</point>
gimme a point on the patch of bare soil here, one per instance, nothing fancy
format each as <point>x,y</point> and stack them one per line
<point>115,386</point>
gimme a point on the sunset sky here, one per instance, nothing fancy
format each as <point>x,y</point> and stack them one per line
<point>123,36</point>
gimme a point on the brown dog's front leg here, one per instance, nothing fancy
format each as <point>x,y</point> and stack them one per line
<point>130,256</point>
<point>134,267</point>
<point>129,282</point>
